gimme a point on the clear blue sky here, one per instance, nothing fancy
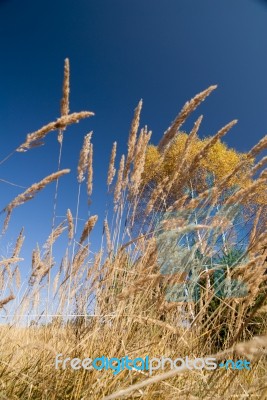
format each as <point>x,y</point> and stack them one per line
<point>120,51</point>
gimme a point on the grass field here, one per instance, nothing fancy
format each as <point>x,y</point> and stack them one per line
<point>175,274</point>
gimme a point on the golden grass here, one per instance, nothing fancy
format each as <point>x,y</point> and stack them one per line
<point>125,299</point>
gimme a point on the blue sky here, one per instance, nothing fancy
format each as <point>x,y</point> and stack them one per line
<point>120,51</point>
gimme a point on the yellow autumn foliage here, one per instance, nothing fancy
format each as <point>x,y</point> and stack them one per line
<point>218,162</point>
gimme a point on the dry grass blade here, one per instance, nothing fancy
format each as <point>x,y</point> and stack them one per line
<point>248,348</point>
<point>155,379</point>
<point>188,108</point>
<point>147,320</point>
<point>254,347</point>
<point>60,123</point>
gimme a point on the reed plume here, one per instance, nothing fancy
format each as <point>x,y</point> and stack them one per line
<point>119,183</point>
<point>111,168</point>
<point>139,161</point>
<point>55,235</point>
<point>90,171</point>
<point>132,138</point>
<point>187,109</point>
<point>261,145</point>
<point>17,277</point>
<point>6,300</point>
<point>35,138</point>
<point>80,257</point>
<point>259,165</point>
<point>84,154</point>
<point>247,192</point>
<point>66,89</point>
<point>19,244</point>
<point>31,192</point>
<point>55,282</point>
<point>108,238</point>
<point>65,98</point>
<point>156,193</point>
<point>89,225</point>
<point>70,224</point>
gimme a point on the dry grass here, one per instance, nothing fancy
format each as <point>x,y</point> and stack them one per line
<point>126,299</point>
